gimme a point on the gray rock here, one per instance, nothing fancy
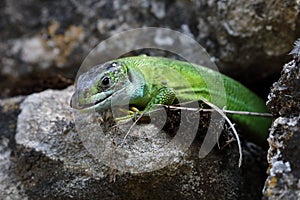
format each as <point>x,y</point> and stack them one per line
<point>283,155</point>
<point>51,160</point>
<point>10,187</point>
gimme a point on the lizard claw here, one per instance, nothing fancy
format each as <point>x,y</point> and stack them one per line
<point>133,113</point>
<point>134,109</point>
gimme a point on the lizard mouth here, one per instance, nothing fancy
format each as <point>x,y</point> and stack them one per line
<point>101,100</point>
<point>89,106</point>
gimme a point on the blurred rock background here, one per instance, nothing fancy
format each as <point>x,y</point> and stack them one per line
<point>43,43</point>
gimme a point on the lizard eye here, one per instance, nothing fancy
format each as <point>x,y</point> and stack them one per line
<point>105,81</point>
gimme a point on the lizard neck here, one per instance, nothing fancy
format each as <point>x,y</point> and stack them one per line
<point>139,90</point>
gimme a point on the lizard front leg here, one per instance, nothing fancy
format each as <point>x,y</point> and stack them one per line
<point>164,95</point>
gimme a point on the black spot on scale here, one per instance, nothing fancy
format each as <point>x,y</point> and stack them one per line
<point>111,65</point>
<point>164,82</point>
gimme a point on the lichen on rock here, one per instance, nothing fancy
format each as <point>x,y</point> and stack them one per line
<point>283,154</point>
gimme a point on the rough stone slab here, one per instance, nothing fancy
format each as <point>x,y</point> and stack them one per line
<point>52,163</point>
<point>283,181</point>
<point>10,187</point>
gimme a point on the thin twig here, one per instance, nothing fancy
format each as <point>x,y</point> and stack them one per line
<point>221,112</point>
<point>213,108</point>
<point>224,110</point>
<point>132,125</point>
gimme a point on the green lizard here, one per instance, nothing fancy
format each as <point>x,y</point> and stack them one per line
<point>144,81</point>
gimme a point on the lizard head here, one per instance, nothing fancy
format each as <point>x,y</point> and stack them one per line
<point>95,88</point>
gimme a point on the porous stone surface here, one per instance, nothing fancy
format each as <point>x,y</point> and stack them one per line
<point>283,181</point>
<point>10,187</point>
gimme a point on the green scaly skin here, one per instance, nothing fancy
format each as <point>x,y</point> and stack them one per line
<point>143,81</point>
